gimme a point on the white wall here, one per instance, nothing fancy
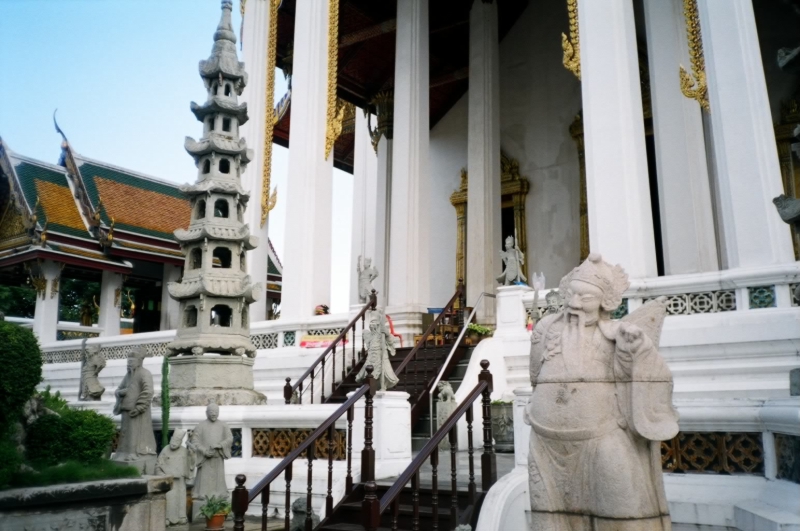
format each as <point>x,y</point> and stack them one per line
<point>539,100</point>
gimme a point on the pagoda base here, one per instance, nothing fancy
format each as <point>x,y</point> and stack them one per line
<point>226,380</point>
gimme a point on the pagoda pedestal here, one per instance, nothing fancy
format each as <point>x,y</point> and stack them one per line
<point>224,380</point>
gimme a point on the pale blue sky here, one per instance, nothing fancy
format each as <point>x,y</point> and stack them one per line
<point>122,74</point>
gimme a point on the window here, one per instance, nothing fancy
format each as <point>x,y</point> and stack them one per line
<point>211,124</point>
<point>245,316</point>
<point>227,89</point>
<point>222,258</point>
<point>221,208</point>
<point>206,166</point>
<point>224,166</point>
<point>190,317</point>
<point>242,262</point>
<point>226,124</point>
<point>200,211</point>
<point>221,315</point>
<point>196,261</point>
<point>215,87</point>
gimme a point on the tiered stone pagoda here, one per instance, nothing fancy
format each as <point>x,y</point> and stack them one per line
<point>212,352</point>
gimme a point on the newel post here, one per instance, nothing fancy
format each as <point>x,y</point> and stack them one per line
<point>287,391</point>
<point>370,507</point>
<point>239,503</point>
<point>488,458</point>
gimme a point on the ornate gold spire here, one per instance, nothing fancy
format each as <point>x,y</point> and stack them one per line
<point>335,110</point>
<point>693,86</point>
<point>572,45</point>
<point>268,200</point>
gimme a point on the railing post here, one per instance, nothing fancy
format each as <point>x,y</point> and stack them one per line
<point>287,391</point>
<point>370,507</point>
<point>488,458</point>
<point>239,502</point>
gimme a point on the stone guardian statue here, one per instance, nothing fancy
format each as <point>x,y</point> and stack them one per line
<point>92,362</point>
<point>299,515</point>
<point>366,274</point>
<point>379,344</point>
<point>176,461</point>
<point>137,443</point>
<point>601,404</point>
<point>211,443</point>
<point>513,259</point>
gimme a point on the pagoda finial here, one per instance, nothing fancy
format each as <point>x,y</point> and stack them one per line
<point>225,28</point>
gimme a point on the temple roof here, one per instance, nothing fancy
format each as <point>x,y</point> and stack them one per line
<point>218,144</point>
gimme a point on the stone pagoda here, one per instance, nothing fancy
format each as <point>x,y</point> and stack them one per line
<point>212,355</point>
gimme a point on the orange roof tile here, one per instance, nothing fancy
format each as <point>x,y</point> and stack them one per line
<point>59,205</point>
<point>137,207</point>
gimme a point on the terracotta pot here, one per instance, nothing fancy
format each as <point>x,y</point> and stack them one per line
<point>216,522</point>
<point>474,338</point>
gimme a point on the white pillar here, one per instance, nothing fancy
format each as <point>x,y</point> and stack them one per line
<point>170,308</point>
<point>409,264</point>
<point>483,158</point>
<point>307,256</point>
<point>688,237</point>
<point>365,175</point>
<point>110,297</point>
<point>383,211</point>
<point>45,318</point>
<point>617,188</point>
<point>254,54</point>
<point>745,157</point>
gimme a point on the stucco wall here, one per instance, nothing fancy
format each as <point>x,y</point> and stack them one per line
<point>538,100</point>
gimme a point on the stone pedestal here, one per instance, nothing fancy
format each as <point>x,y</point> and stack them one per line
<point>392,431</point>
<point>511,316</point>
<point>227,380</point>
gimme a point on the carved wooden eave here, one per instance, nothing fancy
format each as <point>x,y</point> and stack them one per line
<point>19,224</point>
<point>90,214</point>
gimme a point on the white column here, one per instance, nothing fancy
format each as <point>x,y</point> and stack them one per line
<point>365,168</point>
<point>745,157</point>
<point>108,319</point>
<point>170,308</point>
<point>45,318</point>
<point>483,158</point>
<point>307,256</point>
<point>688,237</point>
<point>383,211</point>
<point>254,54</point>
<point>409,265</point>
<point>617,189</point>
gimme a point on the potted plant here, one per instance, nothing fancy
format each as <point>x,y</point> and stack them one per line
<point>477,332</point>
<point>215,509</point>
<point>503,425</point>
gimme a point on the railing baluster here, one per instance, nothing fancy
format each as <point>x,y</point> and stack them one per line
<point>453,478</point>
<point>288,514</point>
<point>349,479</point>
<point>309,523</point>
<point>370,507</point>
<point>300,394</point>
<point>312,387</point>
<point>322,388</point>
<point>287,391</point>
<point>333,369</point>
<point>472,493</point>
<point>488,458</point>
<point>239,502</point>
<point>415,501</point>
<point>329,499</point>
<point>395,513</point>
<point>264,508</point>
<point>435,488</point>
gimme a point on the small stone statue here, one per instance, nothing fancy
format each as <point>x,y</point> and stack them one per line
<point>789,210</point>
<point>137,443</point>
<point>92,362</point>
<point>601,405</point>
<point>299,516</point>
<point>514,260</point>
<point>176,461</point>
<point>366,274</point>
<point>211,442</point>
<point>554,303</point>
<point>445,406</point>
<point>379,344</point>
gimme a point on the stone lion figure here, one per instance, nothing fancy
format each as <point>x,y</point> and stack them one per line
<point>446,393</point>
<point>299,515</point>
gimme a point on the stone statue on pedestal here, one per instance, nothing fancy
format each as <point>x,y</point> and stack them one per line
<point>137,443</point>
<point>177,462</point>
<point>601,404</point>
<point>445,406</point>
<point>379,344</point>
<point>211,442</point>
<point>513,259</point>
<point>299,515</point>
<point>92,362</point>
<point>366,274</point>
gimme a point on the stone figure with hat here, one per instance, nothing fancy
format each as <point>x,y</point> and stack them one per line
<point>176,461</point>
<point>137,443</point>
<point>92,362</point>
<point>601,405</point>
<point>366,274</point>
<point>379,344</point>
<point>513,259</point>
<point>212,441</point>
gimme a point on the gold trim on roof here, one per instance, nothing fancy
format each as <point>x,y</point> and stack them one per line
<point>572,45</point>
<point>693,85</point>
<point>267,202</point>
<point>335,110</point>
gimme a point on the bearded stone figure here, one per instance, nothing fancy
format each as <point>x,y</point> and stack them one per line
<point>601,404</point>
<point>137,443</point>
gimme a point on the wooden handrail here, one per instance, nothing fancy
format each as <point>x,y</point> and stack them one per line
<point>423,340</point>
<point>289,391</point>
<point>370,386</point>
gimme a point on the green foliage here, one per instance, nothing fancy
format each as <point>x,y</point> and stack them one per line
<point>501,402</point>
<point>21,361</point>
<point>17,301</point>
<point>76,435</point>
<point>71,472</point>
<point>215,505</point>
<point>53,401</point>
<point>77,300</point>
<point>10,459</point>
<point>478,329</point>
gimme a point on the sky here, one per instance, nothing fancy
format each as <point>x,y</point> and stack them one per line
<point>121,74</point>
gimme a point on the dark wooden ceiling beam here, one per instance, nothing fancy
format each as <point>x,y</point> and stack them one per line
<point>450,77</point>
<point>385,27</point>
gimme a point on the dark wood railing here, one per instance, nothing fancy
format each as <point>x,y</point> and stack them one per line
<point>241,497</point>
<point>317,369</point>
<point>372,508</point>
